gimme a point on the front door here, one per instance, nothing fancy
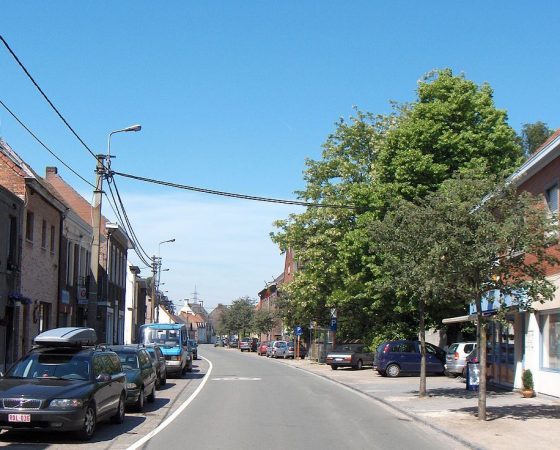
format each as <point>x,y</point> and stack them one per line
<point>504,352</point>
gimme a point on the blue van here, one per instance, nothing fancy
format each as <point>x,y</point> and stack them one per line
<point>173,340</point>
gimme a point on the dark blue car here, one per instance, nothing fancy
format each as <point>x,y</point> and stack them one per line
<point>395,357</point>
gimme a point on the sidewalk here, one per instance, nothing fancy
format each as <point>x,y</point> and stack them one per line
<point>513,422</point>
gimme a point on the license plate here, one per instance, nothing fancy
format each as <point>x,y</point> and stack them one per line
<point>339,359</point>
<point>19,417</point>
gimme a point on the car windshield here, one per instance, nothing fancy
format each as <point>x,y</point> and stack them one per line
<point>129,360</point>
<point>166,338</point>
<point>63,366</point>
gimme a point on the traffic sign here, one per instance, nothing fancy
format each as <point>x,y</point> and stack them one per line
<point>333,324</point>
<point>298,331</point>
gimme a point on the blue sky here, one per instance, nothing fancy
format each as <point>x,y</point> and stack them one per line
<point>234,95</point>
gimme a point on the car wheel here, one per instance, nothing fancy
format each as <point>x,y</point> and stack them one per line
<point>88,426</point>
<point>334,367</point>
<point>119,415</point>
<point>139,405</point>
<point>152,396</point>
<point>464,373</point>
<point>163,381</point>
<point>189,367</point>
<point>393,370</point>
<point>359,365</point>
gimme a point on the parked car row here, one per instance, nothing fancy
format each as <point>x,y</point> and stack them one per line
<point>68,383</point>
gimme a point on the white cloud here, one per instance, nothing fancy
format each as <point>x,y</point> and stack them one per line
<point>222,245</point>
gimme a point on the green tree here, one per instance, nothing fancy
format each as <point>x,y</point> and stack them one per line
<point>470,239</point>
<point>239,316</point>
<point>370,162</point>
<point>533,135</point>
<point>263,321</point>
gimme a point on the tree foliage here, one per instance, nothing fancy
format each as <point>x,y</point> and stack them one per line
<point>263,321</point>
<point>471,238</point>
<point>533,135</point>
<point>370,162</point>
<point>238,317</point>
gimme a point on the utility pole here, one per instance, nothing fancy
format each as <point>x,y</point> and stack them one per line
<point>154,301</point>
<point>95,246</point>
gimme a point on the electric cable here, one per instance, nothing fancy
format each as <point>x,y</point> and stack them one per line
<point>126,224</point>
<point>44,145</point>
<point>230,194</point>
<point>46,98</point>
<point>127,219</point>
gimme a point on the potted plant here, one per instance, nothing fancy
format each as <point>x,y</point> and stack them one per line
<point>527,380</point>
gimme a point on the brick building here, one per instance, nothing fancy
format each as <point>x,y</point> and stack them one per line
<point>42,218</point>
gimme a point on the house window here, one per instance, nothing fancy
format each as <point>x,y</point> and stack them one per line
<point>12,250</point>
<point>69,264</point>
<point>29,223</point>
<point>550,326</point>
<point>551,195</point>
<point>44,234</point>
<point>52,238</point>
<point>44,313</point>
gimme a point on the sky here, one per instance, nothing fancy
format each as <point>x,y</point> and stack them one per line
<point>236,95</point>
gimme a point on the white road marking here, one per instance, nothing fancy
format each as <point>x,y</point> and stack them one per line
<point>173,416</point>
<point>236,379</point>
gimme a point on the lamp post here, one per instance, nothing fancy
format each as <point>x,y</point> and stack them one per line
<point>101,171</point>
<point>156,273</point>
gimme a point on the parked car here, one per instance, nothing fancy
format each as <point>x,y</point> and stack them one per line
<point>219,342</point>
<point>456,358</point>
<point>234,343</point>
<point>349,355</point>
<point>65,383</point>
<point>395,357</point>
<point>158,360</point>
<point>269,347</point>
<point>248,344</point>
<point>261,348</point>
<point>140,375</point>
<point>194,348</point>
<point>287,351</point>
<point>278,348</point>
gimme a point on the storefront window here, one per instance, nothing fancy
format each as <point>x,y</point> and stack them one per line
<point>551,341</point>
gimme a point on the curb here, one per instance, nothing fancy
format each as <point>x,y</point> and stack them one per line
<point>395,408</point>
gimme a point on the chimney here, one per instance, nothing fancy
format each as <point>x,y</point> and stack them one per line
<point>51,170</point>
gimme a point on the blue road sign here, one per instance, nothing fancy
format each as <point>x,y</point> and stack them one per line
<point>298,331</point>
<point>333,324</point>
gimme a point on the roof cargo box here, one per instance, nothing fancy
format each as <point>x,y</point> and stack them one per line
<point>66,337</point>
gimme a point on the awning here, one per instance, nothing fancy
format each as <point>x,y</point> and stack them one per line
<point>459,319</point>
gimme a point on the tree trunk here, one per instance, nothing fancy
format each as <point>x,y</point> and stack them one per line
<point>481,328</point>
<point>422,389</point>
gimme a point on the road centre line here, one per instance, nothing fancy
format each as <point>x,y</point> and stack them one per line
<point>236,379</point>
<point>173,416</point>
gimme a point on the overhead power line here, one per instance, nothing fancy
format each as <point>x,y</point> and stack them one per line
<point>44,145</point>
<point>45,97</point>
<point>233,195</point>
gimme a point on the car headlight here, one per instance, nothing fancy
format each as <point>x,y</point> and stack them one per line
<point>175,358</point>
<point>66,403</point>
<point>131,385</point>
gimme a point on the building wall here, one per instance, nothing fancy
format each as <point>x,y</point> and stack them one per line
<point>40,265</point>
<point>11,209</point>
<point>539,338</point>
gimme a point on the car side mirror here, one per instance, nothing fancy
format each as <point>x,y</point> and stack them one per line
<point>103,378</point>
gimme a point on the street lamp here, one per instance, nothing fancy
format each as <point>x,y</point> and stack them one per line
<point>155,281</point>
<point>134,128</point>
<point>101,171</point>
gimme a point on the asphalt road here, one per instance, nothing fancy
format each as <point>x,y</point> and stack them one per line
<point>253,402</point>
